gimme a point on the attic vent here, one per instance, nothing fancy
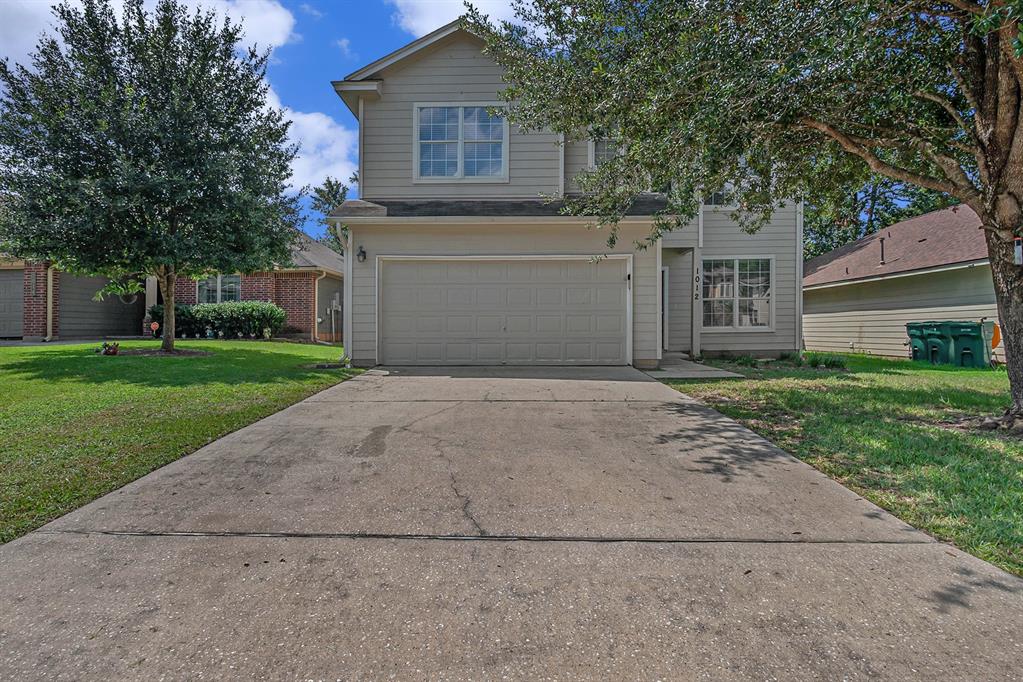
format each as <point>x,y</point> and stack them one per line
<point>882,250</point>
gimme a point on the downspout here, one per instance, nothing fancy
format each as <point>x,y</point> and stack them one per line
<point>316,306</point>
<point>49,304</point>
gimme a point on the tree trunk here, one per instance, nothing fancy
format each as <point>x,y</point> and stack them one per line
<point>1008,281</point>
<point>167,280</point>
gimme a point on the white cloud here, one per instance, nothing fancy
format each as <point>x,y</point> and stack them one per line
<point>311,11</point>
<point>266,23</point>
<point>325,146</point>
<point>345,46</point>
<point>419,17</point>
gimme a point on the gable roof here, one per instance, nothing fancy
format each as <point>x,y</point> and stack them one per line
<point>309,254</point>
<point>937,239</point>
<point>366,83</point>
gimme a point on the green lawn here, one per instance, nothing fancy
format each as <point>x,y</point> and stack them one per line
<point>75,425</point>
<point>885,429</point>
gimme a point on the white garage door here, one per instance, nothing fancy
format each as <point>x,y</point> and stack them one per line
<point>525,312</point>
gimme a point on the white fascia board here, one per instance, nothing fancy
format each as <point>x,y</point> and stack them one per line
<point>407,51</point>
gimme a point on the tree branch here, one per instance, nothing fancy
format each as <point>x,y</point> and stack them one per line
<point>884,168</point>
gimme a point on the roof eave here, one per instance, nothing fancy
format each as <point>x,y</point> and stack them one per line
<point>406,51</point>
<point>903,273</point>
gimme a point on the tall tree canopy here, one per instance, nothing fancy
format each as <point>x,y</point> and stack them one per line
<point>862,208</point>
<point>775,100</point>
<point>144,146</point>
<point>324,199</point>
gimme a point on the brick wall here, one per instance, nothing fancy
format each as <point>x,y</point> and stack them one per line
<point>34,312</point>
<point>258,286</point>
<point>185,291</point>
<point>294,291</point>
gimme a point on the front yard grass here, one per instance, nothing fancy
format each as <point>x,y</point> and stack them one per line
<point>888,430</point>
<point>75,425</point>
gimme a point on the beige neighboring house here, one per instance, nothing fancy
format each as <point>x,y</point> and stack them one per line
<point>458,259</point>
<point>860,296</point>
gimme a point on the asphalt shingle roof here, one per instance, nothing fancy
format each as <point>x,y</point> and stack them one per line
<point>951,235</point>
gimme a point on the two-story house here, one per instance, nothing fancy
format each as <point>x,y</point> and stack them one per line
<point>458,259</point>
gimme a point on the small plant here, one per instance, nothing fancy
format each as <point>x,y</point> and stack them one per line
<point>834,361</point>
<point>109,348</point>
<point>793,358</point>
<point>746,360</point>
<point>814,360</point>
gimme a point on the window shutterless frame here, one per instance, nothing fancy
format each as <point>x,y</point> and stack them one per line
<point>459,176</point>
<point>736,298</point>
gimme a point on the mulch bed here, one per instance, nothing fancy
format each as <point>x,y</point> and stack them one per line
<point>158,352</point>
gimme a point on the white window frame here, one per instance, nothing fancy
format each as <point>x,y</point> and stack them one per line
<point>591,152</point>
<point>735,295</point>
<point>220,287</point>
<point>459,176</point>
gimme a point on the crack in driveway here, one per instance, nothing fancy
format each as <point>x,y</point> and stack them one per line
<point>483,537</point>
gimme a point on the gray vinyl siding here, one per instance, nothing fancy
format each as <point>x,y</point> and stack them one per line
<point>722,238</point>
<point>83,317</point>
<point>577,159</point>
<point>454,70</point>
<point>871,317</point>
<point>503,239</point>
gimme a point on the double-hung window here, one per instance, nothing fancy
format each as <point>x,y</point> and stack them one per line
<point>460,143</point>
<point>737,293</point>
<point>220,289</point>
<point>602,150</point>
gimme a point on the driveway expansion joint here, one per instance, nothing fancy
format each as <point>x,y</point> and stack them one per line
<point>484,537</point>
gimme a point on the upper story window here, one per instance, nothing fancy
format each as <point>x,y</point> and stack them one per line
<point>602,151</point>
<point>737,293</point>
<point>220,289</point>
<point>460,143</point>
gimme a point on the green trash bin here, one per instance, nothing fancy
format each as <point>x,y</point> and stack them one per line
<point>971,342</point>
<point>917,347</point>
<point>937,343</point>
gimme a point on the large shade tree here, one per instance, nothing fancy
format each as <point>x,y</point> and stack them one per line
<point>143,145</point>
<point>776,100</point>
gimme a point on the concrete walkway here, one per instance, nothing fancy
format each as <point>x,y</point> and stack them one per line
<point>489,523</point>
<point>678,368</point>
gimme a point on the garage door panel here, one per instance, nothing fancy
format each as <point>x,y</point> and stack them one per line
<point>12,297</point>
<point>499,312</point>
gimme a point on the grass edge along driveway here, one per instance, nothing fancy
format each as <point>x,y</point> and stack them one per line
<point>75,425</point>
<point>888,429</point>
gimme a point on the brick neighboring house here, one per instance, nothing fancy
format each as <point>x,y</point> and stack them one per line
<point>38,302</point>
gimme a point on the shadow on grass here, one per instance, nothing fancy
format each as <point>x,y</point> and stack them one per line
<point>226,364</point>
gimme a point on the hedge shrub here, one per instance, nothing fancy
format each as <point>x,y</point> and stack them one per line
<point>248,318</point>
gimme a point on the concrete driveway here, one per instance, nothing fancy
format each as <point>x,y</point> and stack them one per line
<point>488,523</point>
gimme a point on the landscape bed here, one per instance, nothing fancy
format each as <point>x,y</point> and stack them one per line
<point>75,425</point>
<point>894,432</point>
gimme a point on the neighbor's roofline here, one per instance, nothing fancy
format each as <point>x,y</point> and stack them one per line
<point>904,273</point>
<point>403,52</point>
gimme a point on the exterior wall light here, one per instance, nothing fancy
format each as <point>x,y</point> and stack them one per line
<point>360,255</point>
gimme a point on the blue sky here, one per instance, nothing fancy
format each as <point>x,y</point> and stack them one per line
<point>313,42</point>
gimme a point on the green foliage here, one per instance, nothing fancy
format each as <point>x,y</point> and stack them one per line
<point>863,207</point>
<point>834,361</point>
<point>769,100</point>
<point>324,199</point>
<point>814,360</point>
<point>793,358</point>
<point>144,145</point>
<point>250,319</point>
<point>746,361</point>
